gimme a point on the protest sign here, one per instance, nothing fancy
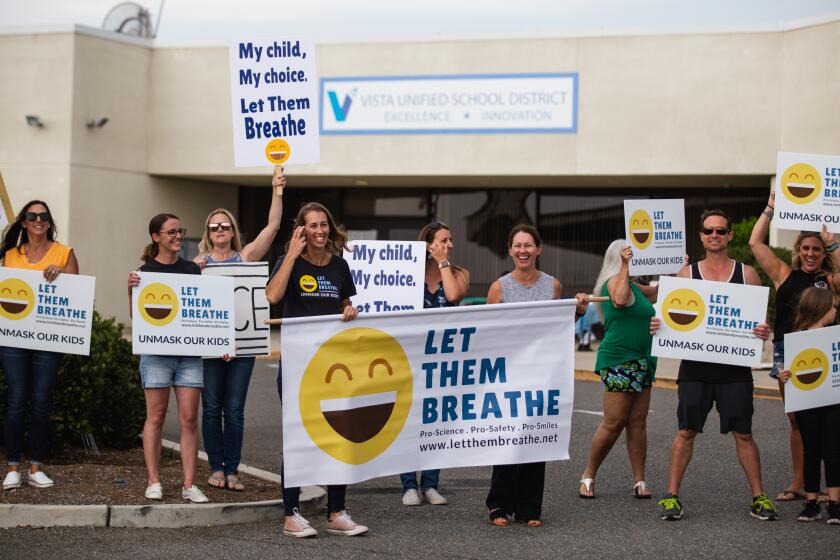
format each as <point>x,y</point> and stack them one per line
<point>182,315</point>
<point>709,321</point>
<point>813,358</point>
<point>7,215</point>
<point>55,316</point>
<point>807,192</point>
<point>388,275</point>
<point>253,336</point>
<point>428,389</point>
<point>274,99</point>
<point>655,229</point>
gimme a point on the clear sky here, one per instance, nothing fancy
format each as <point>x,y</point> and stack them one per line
<point>203,22</point>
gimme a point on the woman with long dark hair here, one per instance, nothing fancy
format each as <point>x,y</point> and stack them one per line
<point>29,243</point>
<point>314,253</point>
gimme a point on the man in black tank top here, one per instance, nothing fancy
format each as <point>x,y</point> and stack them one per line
<point>730,387</point>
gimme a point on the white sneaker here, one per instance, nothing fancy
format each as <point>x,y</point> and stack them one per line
<point>433,497</point>
<point>194,495</point>
<point>300,526</point>
<point>411,498</point>
<point>39,480</point>
<point>343,525</point>
<point>12,480</point>
<point>154,491</point>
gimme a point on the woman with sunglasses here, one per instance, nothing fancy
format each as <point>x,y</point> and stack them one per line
<point>445,286</point>
<point>159,373</point>
<point>226,382</point>
<point>815,261</point>
<point>29,243</point>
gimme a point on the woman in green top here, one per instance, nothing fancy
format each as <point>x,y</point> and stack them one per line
<point>626,367</point>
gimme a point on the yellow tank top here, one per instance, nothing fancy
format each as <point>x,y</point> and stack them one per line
<point>57,254</point>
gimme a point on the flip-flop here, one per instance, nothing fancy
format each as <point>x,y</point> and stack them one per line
<point>534,523</point>
<point>233,483</point>
<point>790,496</point>
<point>589,485</point>
<point>217,480</point>
<point>498,518</point>
<point>640,487</point>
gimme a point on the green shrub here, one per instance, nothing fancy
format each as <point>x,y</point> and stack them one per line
<point>98,394</point>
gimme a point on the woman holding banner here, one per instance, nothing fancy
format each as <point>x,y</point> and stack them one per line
<point>815,261</point>
<point>517,490</point>
<point>226,382</point>
<point>159,373</point>
<point>625,365</point>
<point>818,426</point>
<point>445,286</point>
<point>314,251</point>
<point>29,243</point>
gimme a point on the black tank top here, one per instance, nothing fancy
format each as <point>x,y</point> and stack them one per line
<point>787,298</point>
<point>709,372</point>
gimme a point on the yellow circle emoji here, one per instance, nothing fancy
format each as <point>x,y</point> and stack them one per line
<point>641,229</point>
<point>683,309</point>
<point>308,283</point>
<point>808,369</point>
<point>158,304</point>
<point>16,298</point>
<point>801,183</point>
<point>355,394</point>
<point>277,151</point>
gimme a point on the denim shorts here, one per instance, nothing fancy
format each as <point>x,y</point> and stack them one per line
<point>166,371</point>
<point>778,358</point>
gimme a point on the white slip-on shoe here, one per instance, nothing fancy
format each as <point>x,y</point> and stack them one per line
<point>433,497</point>
<point>297,526</point>
<point>11,481</point>
<point>194,495</point>
<point>411,498</point>
<point>39,480</point>
<point>154,491</point>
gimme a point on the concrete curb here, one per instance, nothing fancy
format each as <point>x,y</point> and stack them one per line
<point>29,515</point>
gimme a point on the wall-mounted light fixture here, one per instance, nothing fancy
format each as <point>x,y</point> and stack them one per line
<point>97,122</point>
<point>34,120</point>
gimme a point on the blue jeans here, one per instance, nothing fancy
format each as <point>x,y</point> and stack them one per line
<point>30,375</point>
<point>428,479</point>
<point>225,390</point>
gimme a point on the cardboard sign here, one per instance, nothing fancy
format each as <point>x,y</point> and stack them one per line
<point>274,96</point>
<point>709,321</point>
<point>55,316</point>
<point>813,358</point>
<point>388,275</point>
<point>807,192</point>
<point>655,230</point>
<point>253,336</point>
<point>183,315</point>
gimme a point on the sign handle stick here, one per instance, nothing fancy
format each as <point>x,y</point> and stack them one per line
<point>278,174</point>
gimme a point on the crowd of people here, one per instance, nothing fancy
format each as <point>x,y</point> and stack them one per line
<point>806,295</point>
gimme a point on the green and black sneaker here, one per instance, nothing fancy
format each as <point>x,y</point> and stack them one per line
<point>763,508</point>
<point>672,508</point>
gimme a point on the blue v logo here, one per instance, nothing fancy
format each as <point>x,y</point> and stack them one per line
<point>341,110</point>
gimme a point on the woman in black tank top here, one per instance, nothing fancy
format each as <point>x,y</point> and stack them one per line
<point>814,264</point>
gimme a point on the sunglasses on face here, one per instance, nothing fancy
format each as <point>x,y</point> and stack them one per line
<point>224,226</point>
<point>719,230</point>
<point>175,232</point>
<point>32,216</point>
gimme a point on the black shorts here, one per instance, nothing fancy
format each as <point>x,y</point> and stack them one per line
<point>733,401</point>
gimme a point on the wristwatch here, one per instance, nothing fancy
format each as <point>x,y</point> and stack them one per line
<point>443,264</point>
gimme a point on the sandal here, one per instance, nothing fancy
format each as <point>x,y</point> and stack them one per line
<point>790,495</point>
<point>498,518</point>
<point>233,483</point>
<point>534,523</point>
<point>216,480</point>
<point>589,486</point>
<point>640,487</point>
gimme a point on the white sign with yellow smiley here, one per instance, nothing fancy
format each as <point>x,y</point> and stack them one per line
<point>655,232</point>
<point>807,192</point>
<point>813,359</point>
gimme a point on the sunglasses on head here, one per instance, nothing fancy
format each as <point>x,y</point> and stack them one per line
<point>719,230</point>
<point>224,226</point>
<point>438,225</point>
<point>175,232</point>
<point>32,216</point>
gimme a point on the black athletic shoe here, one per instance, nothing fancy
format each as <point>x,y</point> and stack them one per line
<point>763,508</point>
<point>811,511</point>
<point>672,508</point>
<point>833,510</point>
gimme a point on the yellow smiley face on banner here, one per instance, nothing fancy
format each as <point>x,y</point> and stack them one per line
<point>355,394</point>
<point>158,304</point>
<point>683,309</point>
<point>801,183</point>
<point>808,369</point>
<point>16,298</point>
<point>641,229</point>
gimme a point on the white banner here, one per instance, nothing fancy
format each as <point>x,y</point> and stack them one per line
<point>655,229</point>
<point>253,336</point>
<point>493,103</point>
<point>709,321</point>
<point>437,388</point>
<point>182,315</point>
<point>813,358</point>
<point>274,99</point>
<point>388,275</point>
<point>54,316</point>
<point>807,192</point>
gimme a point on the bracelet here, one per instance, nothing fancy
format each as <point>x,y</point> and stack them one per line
<point>768,214</point>
<point>833,247</point>
<point>443,264</point>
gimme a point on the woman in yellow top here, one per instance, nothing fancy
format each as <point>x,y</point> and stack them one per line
<point>29,243</point>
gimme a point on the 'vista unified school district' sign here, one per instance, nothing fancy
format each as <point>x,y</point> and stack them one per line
<point>483,103</point>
